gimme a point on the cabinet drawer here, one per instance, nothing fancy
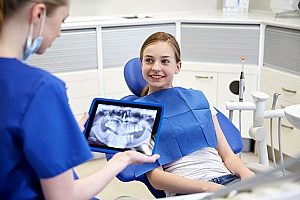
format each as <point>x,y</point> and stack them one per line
<point>82,88</point>
<point>286,84</point>
<point>114,82</point>
<point>81,84</point>
<point>80,105</point>
<point>205,81</point>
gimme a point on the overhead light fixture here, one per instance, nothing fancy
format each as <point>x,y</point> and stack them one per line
<point>284,6</point>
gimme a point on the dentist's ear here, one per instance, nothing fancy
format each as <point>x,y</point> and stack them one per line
<point>37,12</point>
<point>178,66</point>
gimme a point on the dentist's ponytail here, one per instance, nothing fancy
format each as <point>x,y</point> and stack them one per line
<point>1,13</point>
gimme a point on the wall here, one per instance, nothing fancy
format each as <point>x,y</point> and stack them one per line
<point>131,7</point>
<point>128,7</point>
<point>260,5</point>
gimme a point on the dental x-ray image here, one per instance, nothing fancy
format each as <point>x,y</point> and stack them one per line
<point>123,127</point>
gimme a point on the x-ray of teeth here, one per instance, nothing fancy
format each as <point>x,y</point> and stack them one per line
<point>122,127</point>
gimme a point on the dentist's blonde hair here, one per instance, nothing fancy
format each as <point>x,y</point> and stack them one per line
<point>10,7</point>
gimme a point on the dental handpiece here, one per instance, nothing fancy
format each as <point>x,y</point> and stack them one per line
<point>242,81</point>
<point>275,97</point>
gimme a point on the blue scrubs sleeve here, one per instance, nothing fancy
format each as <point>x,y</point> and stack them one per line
<point>52,140</point>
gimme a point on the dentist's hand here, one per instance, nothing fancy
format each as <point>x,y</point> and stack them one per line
<point>83,120</point>
<point>133,157</point>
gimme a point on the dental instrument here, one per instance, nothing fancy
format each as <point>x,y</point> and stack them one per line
<point>242,81</point>
<point>241,93</point>
<point>275,98</point>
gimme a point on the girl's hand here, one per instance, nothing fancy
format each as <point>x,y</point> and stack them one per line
<point>83,120</point>
<point>246,175</point>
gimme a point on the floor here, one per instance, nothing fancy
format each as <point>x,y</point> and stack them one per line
<point>134,189</point>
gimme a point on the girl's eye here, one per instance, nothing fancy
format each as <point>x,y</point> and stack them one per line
<point>148,60</point>
<point>165,61</point>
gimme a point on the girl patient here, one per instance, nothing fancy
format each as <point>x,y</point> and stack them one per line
<point>207,163</point>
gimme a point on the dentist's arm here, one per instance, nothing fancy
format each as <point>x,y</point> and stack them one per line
<point>63,185</point>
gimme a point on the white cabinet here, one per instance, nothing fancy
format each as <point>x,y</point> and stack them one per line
<point>288,85</point>
<point>281,74</point>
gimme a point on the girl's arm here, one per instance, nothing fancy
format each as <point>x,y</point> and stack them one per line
<point>169,182</point>
<point>231,161</point>
<point>64,185</point>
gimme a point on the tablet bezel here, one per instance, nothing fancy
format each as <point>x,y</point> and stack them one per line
<point>125,103</point>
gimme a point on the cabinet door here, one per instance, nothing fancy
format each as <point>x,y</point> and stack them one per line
<point>74,50</point>
<point>276,81</point>
<point>282,49</point>
<point>220,43</point>
<point>225,95</point>
<point>204,81</point>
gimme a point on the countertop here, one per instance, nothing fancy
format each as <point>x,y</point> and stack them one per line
<point>291,20</point>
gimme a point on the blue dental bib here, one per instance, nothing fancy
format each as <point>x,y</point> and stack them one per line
<point>186,127</point>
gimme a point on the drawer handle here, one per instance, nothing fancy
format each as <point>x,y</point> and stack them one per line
<point>204,77</point>
<point>290,91</point>
<point>286,126</point>
<point>282,106</point>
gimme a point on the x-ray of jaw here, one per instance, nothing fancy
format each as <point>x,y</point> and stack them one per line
<point>122,127</point>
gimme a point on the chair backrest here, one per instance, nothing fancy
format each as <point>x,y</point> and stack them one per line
<point>133,76</point>
<point>136,83</point>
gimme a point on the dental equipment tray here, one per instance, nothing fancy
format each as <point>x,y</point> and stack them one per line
<point>118,125</point>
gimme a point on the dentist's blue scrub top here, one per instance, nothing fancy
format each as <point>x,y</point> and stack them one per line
<point>39,137</point>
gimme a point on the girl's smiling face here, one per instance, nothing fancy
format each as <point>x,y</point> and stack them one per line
<point>159,66</point>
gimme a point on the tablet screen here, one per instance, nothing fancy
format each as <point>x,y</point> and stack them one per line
<point>117,125</point>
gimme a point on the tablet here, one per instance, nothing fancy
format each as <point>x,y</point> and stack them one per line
<point>118,125</point>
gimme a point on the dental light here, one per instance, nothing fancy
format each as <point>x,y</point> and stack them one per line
<point>284,6</point>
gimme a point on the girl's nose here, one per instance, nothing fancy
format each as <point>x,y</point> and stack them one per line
<point>156,66</point>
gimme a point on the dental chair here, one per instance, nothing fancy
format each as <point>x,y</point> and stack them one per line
<point>136,83</point>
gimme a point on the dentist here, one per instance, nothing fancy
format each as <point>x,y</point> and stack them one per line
<point>40,141</point>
